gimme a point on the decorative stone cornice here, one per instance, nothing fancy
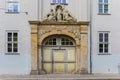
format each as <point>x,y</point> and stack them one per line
<point>59,23</point>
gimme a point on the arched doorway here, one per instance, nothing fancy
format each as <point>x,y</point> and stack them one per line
<point>58,54</point>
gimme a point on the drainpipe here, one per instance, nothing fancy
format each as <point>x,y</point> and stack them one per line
<point>90,36</point>
<point>38,10</point>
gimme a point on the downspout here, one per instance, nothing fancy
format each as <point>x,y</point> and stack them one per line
<point>38,61</point>
<point>90,36</point>
<point>38,9</point>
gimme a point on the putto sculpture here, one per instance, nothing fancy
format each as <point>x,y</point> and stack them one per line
<point>59,15</point>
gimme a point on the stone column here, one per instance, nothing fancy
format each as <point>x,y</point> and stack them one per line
<point>34,48</point>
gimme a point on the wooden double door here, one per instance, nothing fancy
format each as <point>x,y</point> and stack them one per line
<point>59,60</point>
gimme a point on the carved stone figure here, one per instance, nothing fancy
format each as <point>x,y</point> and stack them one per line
<point>59,14</point>
<point>67,16</point>
<point>50,16</point>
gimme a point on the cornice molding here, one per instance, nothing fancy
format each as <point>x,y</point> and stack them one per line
<point>59,23</point>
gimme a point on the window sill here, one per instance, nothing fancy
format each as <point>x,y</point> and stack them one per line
<point>12,12</point>
<point>59,3</point>
<point>104,14</point>
<point>12,53</point>
<point>104,54</point>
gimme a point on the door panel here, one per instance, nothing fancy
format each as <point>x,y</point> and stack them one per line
<point>58,61</point>
<point>58,55</point>
<point>47,67</point>
<point>71,67</point>
<point>71,54</point>
<point>58,67</point>
<point>47,54</point>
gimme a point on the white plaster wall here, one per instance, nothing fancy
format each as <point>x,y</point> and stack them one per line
<point>32,9</point>
<point>15,64</point>
<point>106,63</point>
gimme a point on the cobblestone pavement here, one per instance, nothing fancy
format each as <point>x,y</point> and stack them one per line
<point>61,77</point>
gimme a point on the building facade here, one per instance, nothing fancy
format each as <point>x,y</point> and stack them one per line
<point>105,36</point>
<point>59,36</point>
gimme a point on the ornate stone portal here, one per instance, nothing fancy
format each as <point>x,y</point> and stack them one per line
<point>57,24</point>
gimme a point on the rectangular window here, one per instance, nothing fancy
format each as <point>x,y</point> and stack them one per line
<point>59,1</point>
<point>12,42</point>
<point>103,42</point>
<point>12,6</point>
<point>103,6</point>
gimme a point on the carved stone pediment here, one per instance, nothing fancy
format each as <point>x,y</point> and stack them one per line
<point>59,14</point>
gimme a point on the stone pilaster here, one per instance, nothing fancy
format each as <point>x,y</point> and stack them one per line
<point>34,48</point>
<point>84,50</point>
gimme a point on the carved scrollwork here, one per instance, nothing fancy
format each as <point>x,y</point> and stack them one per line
<point>41,32</point>
<point>75,31</point>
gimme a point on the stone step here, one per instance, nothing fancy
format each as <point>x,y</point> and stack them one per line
<point>61,77</point>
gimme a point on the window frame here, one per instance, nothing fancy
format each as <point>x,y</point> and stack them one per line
<point>12,42</point>
<point>59,41</point>
<point>103,42</point>
<point>103,3</point>
<point>57,2</point>
<point>13,2</point>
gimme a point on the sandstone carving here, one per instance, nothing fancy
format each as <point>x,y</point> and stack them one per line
<point>50,16</point>
<point>75,31</point>
<point>59,14</point>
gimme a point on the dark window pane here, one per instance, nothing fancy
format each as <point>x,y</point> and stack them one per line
<point>9,49</point>
<point>100,48</point>
<point>106,48</point>
<point>100,37</point>
<point>10,35</point>
<point>67,40</point>
<point>106,37</point>
<point>71,43</point>
<point>46,43</point>
<point>15,39</point>
<point>67,43</point>
<point>15,50</point>
<point>50,43</point>
<point>63,39</point>
<point>63,43</point>
<point>15,34</point>
<point>9,45</point>
<point>9,39</point>
<point>15,45</point>
<point>54,43</point>
<point>106,8</point>
<point>54,40</point>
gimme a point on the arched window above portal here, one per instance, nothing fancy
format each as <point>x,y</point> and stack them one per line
<point>58,41</point>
